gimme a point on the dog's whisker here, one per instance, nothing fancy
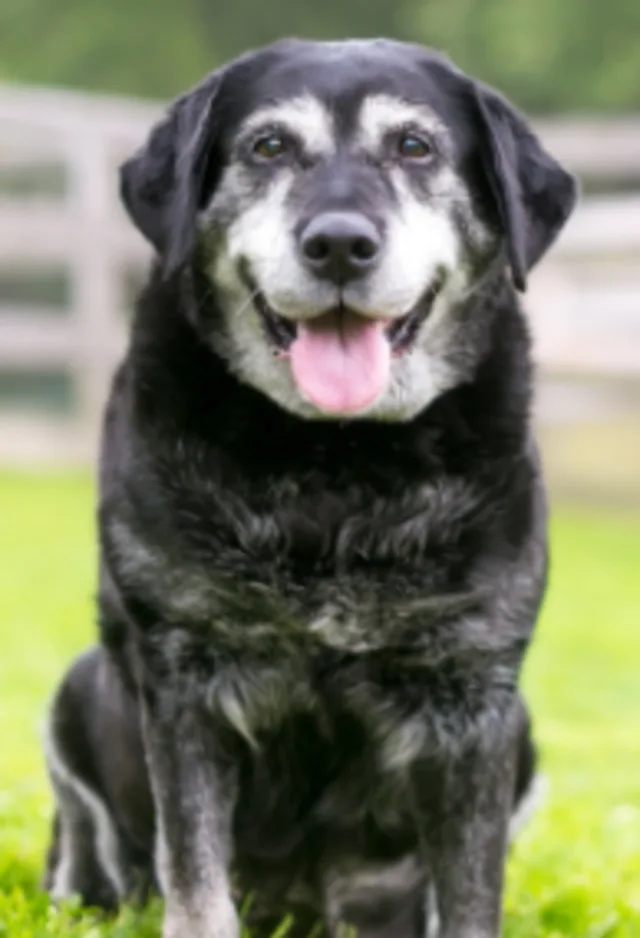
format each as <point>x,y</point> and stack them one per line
<point>248,301</point>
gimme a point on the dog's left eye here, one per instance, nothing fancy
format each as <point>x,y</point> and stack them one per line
<point>412,147</point>
<point>269,147</point>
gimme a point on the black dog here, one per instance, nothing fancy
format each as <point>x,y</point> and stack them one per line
<point>322,521</point>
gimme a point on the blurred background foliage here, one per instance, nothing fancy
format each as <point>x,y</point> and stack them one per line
<point>549,55</point>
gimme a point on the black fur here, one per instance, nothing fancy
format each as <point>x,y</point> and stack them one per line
<point>316,626</point>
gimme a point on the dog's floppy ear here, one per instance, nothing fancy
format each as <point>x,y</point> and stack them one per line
<point>161,185</point>
<point>534,194</point>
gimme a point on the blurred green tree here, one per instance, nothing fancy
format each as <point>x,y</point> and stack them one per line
<point>549,55</point>
<point>142,47</point>
<point>158,47</point>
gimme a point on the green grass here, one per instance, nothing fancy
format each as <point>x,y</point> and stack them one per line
<point>575,872</point>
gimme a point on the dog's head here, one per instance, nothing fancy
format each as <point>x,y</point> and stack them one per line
<point>345,200</point>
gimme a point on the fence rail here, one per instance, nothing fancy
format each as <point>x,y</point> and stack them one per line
<point>584,300</point>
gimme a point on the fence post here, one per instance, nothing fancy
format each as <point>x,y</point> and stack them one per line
<point>96,275</point>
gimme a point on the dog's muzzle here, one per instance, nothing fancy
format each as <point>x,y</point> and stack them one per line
<point>341,358</point>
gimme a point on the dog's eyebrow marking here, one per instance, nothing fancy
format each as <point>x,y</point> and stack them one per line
<point>305,116</point>
<point>381,113</point>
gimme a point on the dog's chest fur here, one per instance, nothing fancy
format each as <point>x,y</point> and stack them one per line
<point>295,596</point>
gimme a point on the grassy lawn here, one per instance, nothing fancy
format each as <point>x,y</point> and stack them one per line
<point>575,872</point>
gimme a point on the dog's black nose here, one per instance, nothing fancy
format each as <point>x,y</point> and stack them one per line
<point>340,246</point>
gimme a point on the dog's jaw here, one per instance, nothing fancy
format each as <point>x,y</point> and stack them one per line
<point>341,360</point>
<point>256,348</point>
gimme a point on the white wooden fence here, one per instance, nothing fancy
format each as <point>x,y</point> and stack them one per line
<point>584,300</point>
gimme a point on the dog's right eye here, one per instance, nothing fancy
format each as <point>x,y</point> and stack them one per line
<point>413,147</point>
<point>270,147</point>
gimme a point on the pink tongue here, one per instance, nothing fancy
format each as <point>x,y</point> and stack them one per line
<point>340,361</point>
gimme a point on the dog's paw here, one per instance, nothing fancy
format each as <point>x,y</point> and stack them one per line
<point>207,919</point>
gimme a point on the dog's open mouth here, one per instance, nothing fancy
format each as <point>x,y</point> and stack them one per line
<point>340,360</point>
<point>400,333</point>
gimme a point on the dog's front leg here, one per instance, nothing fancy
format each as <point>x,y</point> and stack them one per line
<point>463,804</point>
<point>194,797</point>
